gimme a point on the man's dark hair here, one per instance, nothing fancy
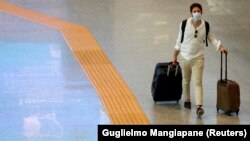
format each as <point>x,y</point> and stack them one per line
<point>195,5</point>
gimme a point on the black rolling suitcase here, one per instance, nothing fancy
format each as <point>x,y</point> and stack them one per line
<point>228,93</point>
<point>167,82</point>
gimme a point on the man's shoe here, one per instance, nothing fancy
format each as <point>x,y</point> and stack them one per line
<point>199,111</point>
<point>187,105</point>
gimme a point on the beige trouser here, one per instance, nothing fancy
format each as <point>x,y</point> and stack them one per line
<point>193,68</point>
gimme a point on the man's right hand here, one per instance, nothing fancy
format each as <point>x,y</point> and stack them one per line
<point>174,60</point>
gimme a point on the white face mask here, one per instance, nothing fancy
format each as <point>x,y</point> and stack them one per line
<point>196,16</point>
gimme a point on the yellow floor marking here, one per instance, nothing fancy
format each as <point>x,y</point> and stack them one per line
<point>120,103</point>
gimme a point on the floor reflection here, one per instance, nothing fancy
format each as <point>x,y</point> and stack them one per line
<point>44,93</point>
<point>42,126</point>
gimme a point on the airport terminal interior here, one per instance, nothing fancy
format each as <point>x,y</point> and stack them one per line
<point>67,66</point>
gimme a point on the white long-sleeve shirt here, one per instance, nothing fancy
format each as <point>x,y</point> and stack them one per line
<point>192,47</point>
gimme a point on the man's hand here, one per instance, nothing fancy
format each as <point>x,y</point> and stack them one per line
<point>174,59</point>
<point>223,49</point>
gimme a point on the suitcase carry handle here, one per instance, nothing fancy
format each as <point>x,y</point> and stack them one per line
<point>221,68</point>
<point>176,70</point>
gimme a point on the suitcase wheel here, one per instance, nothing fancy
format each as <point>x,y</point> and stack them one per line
<point>237,112</point>
<point>228,112</point>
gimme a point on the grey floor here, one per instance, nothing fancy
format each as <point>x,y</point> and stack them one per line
<point>137,34</point>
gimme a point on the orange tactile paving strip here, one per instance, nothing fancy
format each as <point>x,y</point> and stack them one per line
<point>121,105</point>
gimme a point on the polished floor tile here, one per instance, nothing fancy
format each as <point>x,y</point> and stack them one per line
<point>45,95</point>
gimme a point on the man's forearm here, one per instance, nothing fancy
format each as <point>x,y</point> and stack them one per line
<point>176,52</point>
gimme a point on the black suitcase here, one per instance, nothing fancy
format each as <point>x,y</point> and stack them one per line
<point>167,82</point>
<point>228,93</point>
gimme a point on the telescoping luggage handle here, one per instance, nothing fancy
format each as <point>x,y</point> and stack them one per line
<point>221,69</point>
